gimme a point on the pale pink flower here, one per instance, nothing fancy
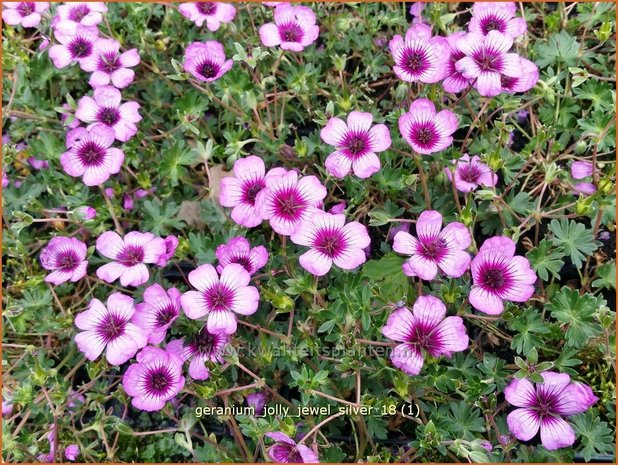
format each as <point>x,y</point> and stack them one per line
<point>108,327</point>
<point>496,16</point>
<point>285,450</point>
<point>238,250</point>
<point>470,173</point>
<point>454,81</point>
<point>214,13</point>
<point>66,258</point>
<point>201,348</point>
<point>220,298</point>
<point>70,14</point>
<point>357,142</point>
<point>331,240</point>
<point>286,201</point>
<point>426,330</point>
<point>581,169</point>
<point>75,47</point>
<point>434,248</point>
<point>171,243</point>
<point>206,61</point>
<point>425,130</point>
<point>294,28</point>
<point>108,65</point>
<point>130,255</point>
<point>158,312</point>
<point>28,14</point>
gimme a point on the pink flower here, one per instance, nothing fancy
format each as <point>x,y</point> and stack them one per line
<point>107,64</point>
<point>130,256</point>
<point>214,13</point>
<point>219,298</point>
<point>158,312</point>
<point>69,15</point>
<point>240,191</point>
<point>38,164</point>
<point>85,213</point>
<point>294,28</point>
<point>110,328</point>
<point>127,202</point>
<point>338,208</point>
<point>581,169</point>
<point>584,188</point>
<point>454,81</point>
<point>357,143</point>
<point>206,61</point>
<point>496,16</point>
<point>416,9</point>
<point>44,44</point>
<point>238,250</point>
<point>72,452</point>
<point>91,155</point>
<point>545,406</point>
<point>527,79</point>
<point>285,450</point>
<point>331,240</point>
<point>28,14</point>
<point>7,404</point>
<point>498,274</point>
<point>286,201</point>
<point>203,347</point>
<point>425,130</point>
<point>275,4</point>
<point>171,243</point>
<point>258,401</point>
<point>424,330</point>
<point>5,179</point>
<point>488,62</point>
<point>105,109</point>
<point>75,47</point>
<point>66,258</point>
<point>470,174</point>
<point>155,379</point>
<point>419,57</point>
<point>435,248</point>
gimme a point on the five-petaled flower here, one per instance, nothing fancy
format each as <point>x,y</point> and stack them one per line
<point>435,248</point>
<point>157,312</point>
<point>214,13</point>
<point>206,61</point>
<point>357,142</point>
<point>70,14</point>
<point>424,330</point>
<point>285,450</point>
<point>239,250</point>
<point>65,257</point>
<point>543,407</point>
<point>294,28</point>
<point>108,65</point>
<point>202,347</point>
<point>470,173</point>
<point>425,130</point>
<point>74,47</point>
<point>496,16</point>
<point>28,14</point>
<point>220,298</point>
<point>109,327</point>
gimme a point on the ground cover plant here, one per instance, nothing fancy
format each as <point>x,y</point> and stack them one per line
<point>296,233</point>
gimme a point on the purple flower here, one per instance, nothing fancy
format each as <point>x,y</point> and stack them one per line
<point>109,327</point>
<point>105,109</point>
<point>66,258</point>
<point>44,44</point>
<point>71,452</point>
<point>581,169</point>
<point>214,13</point>
<point>471,173</point>
<point>239,191</point>
<point>91,155</point>
<point>107,64</point>
<point>330,241</point>
<point>420,57</point>
<point>454,81</point>
<point>424,330</point>
<point>171,243</point>
<point>498,274</point>
<point>496,16</point>
<point>338,208</point>
<point>584,188</point>
<point>435,248</point>
<point>220,298</point>
<point>28,14</point>
<point>206,61</point>
<point>75,47</point>
<point>130,256</point>
<point>416,9</point>
<point>357,143</point>
<point>527,79</point>
<point>488,62</point>
<point>158,312</point>
<point>285,450</point>
<point>294,28</point>
<point>69,15</point>
<point>7,403</point>
<point>154,379</point>
<point>5,179</point>
<point>85,213</point>
<point>238,250</point>
<point>258,401</point>
<point>287,201</point>
<point>127,202</point>
<point>38,164</point>
<point>544,406</point>
<point>425,130</point>
<point>203,347</point>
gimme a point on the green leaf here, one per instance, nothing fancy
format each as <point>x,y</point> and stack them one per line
<point>545,259</point>
<point>606,276</point>
<point>528,326</point>
<point>561,48</point>
<point>574,238</point>
<point>595,435</point>
<point>579,313</point>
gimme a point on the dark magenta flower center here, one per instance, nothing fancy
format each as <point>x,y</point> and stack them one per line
<point>166,315</point>
<point>289,204</point>
<point>208,70</point>
<point>80,48</point>
<point>492,24</point>
<point>424,135</point>
<point>159,381</point>
<point>92,154</point>
<point>469,173</point>
<point>244,261</point>
<point>356,144</point>
<point>290,32</point>
<point>494,278</point>
<point>251,190</point>
<point>78,12</point>
<point>108,63</point>
<point>68,261</point>
<point>219,298</point>
<point>131,255</point>
<point>433,249</point>
<point>25,8</point>
<point>207,8</point>
<point>330,242</point>
<point>112,327</point>
<point>109,116</point>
